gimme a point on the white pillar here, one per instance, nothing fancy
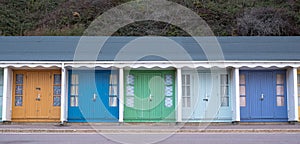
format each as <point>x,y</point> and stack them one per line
<point>121,95</point>
<point>292,94</point>
<point>64,104</point>
<point>7,95</point>
<point>235,94</point>
<point>1,78</point>
<point>179,95</point>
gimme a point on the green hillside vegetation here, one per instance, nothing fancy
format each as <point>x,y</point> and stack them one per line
<point>225,17</point>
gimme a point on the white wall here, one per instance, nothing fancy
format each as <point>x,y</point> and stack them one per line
<point>121,95</point>
<point>179,95</point>
<point>292,94</point>
<point>64,95</point>
<point>235,94</point>
<point>7,94</point>
<point>1,90</point>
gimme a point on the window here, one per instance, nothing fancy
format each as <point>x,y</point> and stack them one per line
<point>130,91</point>
<point>113,90</point>
<point>224,90</point>
<point>74,90</point>
<point>56,89</point>
<point>186,90</point>
<point>168,90</point>
<point>19,89</point>
<point>242,90</point>
<point>280,89</point>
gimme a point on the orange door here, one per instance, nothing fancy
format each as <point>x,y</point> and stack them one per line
<point>18,105</point>
<point>36,96</point>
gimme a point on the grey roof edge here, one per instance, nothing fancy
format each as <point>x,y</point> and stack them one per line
<point>62,48</point>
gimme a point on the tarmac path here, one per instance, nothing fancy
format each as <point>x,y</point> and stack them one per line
<point>205,138</point>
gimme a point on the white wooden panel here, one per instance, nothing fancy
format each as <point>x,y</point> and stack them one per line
<point>292,95</point>
<point>121,95</point>
<point>179,95</point>
<point>235,95</point>
<point>1,90</point>
<point>64,104</point>
<point>7,94</point>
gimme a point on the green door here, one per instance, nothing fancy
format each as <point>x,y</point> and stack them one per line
<point>149,96</point>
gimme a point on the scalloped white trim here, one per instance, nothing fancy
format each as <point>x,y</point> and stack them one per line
<point>153,64</point>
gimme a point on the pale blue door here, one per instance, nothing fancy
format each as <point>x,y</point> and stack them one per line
<point>204,93</point>
<point>205,96</point>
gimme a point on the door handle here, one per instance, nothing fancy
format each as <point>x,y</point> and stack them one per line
<point>206,97</point>
<point>94,97</point>
<point>38,98</point>
<point>150,97</point>
<point>262,97</point>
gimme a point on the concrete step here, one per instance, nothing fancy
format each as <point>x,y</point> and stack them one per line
<point>137,131</point>
<point>150,128</point>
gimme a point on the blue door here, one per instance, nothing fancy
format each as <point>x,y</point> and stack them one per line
<point>93,96</point>
<point>263,96</point>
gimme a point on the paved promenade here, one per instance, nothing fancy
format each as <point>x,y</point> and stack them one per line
<point>150,128</point>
